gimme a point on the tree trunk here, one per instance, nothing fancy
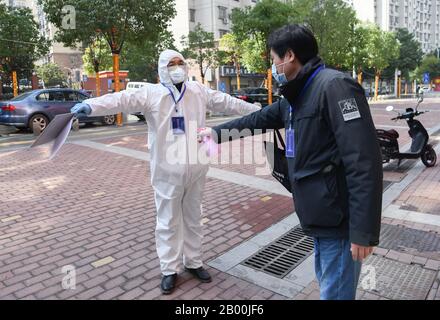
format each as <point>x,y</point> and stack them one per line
<point>14,83</point>
<point>116,83</point>
<point>98,84</point>
<point>376,87</point>
<point>34,81</point>
<point>96,65</point>
<point>237,68</point>
<point>202,75</point>
<point>399,86</point>
<point>360,77</point>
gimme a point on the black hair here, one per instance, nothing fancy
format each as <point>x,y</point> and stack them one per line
<point>297,38</point>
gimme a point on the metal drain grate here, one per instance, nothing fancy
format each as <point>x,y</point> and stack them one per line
<point>398,281</point>
<point>404,167</point>
<point>282,255</point>
<point>418,242</point>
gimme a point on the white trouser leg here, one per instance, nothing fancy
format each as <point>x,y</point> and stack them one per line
<point>169,236</point>
<point>192,226</point>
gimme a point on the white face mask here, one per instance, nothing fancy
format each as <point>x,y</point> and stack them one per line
<point>177,74</point>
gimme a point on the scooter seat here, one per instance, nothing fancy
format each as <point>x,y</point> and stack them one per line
<point>392,133</point>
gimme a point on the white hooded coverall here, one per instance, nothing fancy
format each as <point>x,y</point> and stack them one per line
<point>177,181</point>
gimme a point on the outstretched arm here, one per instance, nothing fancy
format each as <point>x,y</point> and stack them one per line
<point>223,102</point>
<point>124,101</point>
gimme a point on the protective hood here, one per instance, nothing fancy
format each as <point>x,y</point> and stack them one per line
<point>164,59</point>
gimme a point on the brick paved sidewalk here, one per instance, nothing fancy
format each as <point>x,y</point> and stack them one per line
<point>94,210</point>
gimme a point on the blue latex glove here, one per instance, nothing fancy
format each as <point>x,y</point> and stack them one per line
<point>82,108</point>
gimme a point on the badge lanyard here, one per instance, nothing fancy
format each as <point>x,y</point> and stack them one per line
<point>177,121</point>
<point>290,133</point>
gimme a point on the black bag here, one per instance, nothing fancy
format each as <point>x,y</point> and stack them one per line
<point>277,160</point>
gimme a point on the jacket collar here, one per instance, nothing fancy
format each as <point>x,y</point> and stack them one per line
<point>292,89</point>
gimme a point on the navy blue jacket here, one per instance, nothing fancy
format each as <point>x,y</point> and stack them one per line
<point>336,174</point>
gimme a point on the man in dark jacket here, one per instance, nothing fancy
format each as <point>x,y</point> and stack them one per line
<point>333,156</point>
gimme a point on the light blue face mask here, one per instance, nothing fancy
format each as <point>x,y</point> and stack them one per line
<point>279,77</point>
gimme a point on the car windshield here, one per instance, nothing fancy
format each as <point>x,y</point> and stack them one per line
<point>21,96</point>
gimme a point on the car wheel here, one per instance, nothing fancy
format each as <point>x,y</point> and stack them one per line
<point>109,120</point>
<point>38,120</point>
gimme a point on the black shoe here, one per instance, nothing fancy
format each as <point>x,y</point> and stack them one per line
<point>168,283</point>
<point>200,273</point>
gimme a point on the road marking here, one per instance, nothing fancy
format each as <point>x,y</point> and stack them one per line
<point>140,155</point>
<point>394,212</point>
<point>11,218</point>
<point>103,262</point>
<point>380,126</point>
<point>219,174</point>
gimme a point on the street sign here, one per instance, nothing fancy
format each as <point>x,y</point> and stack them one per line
<point>426,78</point>
<point>222,86</point>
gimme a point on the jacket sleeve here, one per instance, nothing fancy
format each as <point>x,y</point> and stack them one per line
<point>124,101</point>
<point>222,102</point>
<point>269,117</point>
<point>352,125</point>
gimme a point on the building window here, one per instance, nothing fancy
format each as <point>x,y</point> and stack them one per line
<point>222,32</point>
<point>192,15</point>
<point>222,13</point>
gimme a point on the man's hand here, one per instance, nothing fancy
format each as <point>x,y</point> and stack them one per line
<point>81,108</point>
<point>360,253</point>
<point>202,133</point>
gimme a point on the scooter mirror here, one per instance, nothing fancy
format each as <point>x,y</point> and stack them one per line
<point>389,108</point>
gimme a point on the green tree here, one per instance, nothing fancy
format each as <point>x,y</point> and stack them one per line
<point>51,74</point>
<point>20,42</point>
<point>141,59</point>
<point>234,51</point>
<point>360,51</point>
<point>97,57</point>
<point>430,64</point>
<point>253,25</point>
<point>410,53</point>
<point>255,54</point>
<point>333,24</point>
<point>200,46</point>
<point>435,52</point>
<point>382,48</point>
<point>134,21</point>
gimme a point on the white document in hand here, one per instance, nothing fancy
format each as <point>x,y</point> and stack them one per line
<point>56,132</point>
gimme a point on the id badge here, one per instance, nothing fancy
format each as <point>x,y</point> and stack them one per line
<point>290,143</point>
<point>178,125</point>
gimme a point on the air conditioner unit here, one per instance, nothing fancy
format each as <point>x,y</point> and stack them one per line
<point>225,20</point>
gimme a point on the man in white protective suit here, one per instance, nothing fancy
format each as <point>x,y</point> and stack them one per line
<point>174,109</point>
